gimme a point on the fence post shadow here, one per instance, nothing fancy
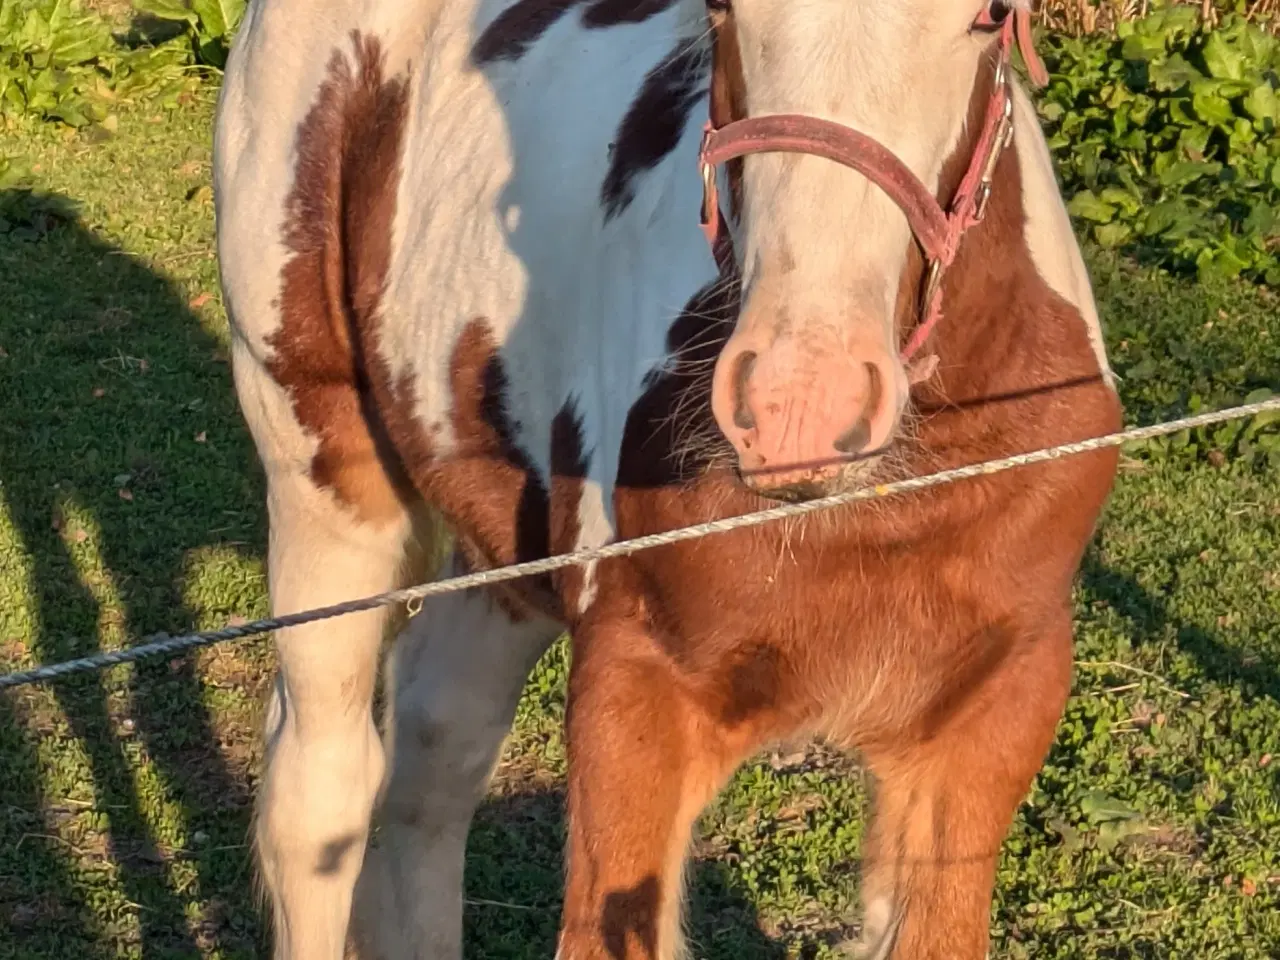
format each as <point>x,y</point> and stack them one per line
<point>108,373</point>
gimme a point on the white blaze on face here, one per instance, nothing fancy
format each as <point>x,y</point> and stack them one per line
<point>820,238</point>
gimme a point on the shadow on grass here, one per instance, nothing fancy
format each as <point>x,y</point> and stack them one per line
<point>1150,617</point>
<point>109,383</point>
<point>106,380</point>
<point>514,888</point>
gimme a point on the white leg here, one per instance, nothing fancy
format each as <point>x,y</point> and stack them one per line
<point>454,679</point>
<point>323,758</point>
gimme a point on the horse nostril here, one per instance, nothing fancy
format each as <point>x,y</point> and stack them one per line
<point>875,390</point>
<point>856,438</point>
<point>742,416</point>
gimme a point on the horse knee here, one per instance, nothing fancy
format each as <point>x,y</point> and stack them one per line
<point>316,798</point>
<point>444,755</point>
<point>409,895</point>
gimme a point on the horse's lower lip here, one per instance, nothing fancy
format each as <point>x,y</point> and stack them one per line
<point>792,493</point>
<point>800,484</point>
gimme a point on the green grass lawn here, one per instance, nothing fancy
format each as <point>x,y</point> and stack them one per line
<point>130,502</point>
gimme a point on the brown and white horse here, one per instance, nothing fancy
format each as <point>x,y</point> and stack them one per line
<point>462,252</point>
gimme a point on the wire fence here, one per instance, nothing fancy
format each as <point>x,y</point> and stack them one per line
<point>163,644</point>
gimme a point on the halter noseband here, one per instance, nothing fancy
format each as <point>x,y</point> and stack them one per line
<point>938,231</point>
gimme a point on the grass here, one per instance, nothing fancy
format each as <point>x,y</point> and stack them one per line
<point>130,502</point>
<point>1078,17</point>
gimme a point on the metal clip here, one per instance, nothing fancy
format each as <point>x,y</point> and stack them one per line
<point>413,607</point>
<point>931,285</point>
<point>1004,135</point>
<point>710,194</point>
<point>1006,116</point>
<point>980,205</point>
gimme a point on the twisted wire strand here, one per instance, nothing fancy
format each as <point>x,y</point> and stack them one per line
<point>162,644</point>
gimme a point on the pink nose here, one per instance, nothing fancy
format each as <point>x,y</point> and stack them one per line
<point>797,415</point>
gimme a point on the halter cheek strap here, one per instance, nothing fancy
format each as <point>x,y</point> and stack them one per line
<point>938,231</point>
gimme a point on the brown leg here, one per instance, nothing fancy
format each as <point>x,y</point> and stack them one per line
<point>944,805</point>
<point>644,758</point>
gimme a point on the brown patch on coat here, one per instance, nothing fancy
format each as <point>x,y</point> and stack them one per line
<point>602,14</point>
<point>488,486</point>
<point>517,28</point>
<point>569,464</point>
<point>654,123</point>
<point>337,229</point>
<point>671,434</point>
<point>629,920</point>
<point>522,24</point>
<point>373,451</point>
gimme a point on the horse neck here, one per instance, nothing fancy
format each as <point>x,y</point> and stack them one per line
<point>1019,333</point>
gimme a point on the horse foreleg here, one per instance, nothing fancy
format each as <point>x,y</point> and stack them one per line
<point>944,803</point>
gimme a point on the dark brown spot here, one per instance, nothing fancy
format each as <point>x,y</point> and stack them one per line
<point>670,430</point>
<point>489,487</point>
<point>742,416</point>
<point>786,259</point>
<point>517,28</point>
<point>976,659</point>
<point>483,429</point>
<point>569,465</point>
<point>568,458</point>
<point>653,123</point>
<point>333,855</point>
<point>430,735</point>
<point>403,814</point>
<point>611,13</point>
<point>753,682</point>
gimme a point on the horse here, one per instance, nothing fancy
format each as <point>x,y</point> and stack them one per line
<point>512,278</point>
